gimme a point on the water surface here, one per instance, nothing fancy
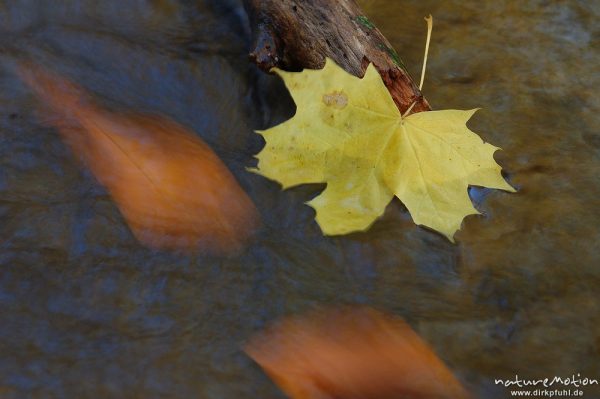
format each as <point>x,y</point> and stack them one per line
<point>87,312</point>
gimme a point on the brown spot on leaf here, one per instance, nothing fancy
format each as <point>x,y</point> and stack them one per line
<point>336,99</point>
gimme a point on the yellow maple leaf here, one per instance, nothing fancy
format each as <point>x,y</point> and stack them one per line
<point>349,134</point>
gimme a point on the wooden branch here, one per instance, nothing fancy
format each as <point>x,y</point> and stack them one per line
<point>297,34</point>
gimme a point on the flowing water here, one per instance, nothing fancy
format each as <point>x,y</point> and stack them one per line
<point>87,312</point>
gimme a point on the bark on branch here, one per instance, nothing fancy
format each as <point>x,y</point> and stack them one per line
<point>297,34</point>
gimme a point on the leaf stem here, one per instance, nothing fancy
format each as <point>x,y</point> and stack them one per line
<point>408,110</point>
<point>429,20</point>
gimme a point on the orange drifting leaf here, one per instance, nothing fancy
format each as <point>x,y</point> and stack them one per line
<point>351,354</point>
<point>172,189</point>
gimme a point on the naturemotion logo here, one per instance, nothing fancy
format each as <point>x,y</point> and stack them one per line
<point>548,387</point>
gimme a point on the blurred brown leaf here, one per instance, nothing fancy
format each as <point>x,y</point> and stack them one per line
<point>172,189</point>
<point>351,353</point>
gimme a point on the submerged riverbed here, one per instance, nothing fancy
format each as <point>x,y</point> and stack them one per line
<point>88,312</point>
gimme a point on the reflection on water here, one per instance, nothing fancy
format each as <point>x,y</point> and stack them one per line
<point>88,312</point>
